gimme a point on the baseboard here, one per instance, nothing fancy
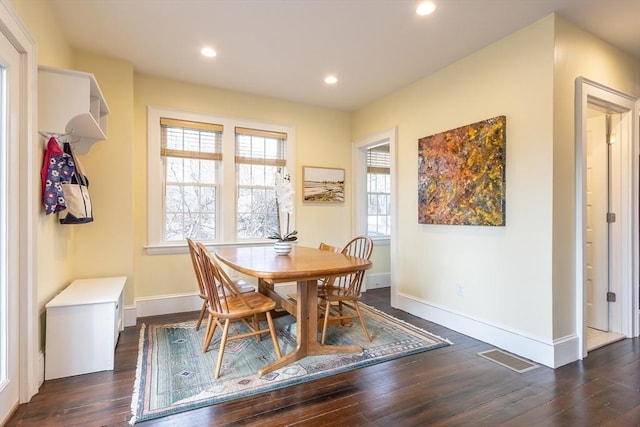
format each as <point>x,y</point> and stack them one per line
<point>130,315</point>
<point>375,281</point>
<point>40,368</point>
<point>177,303</point>
<point>552,354</point>
<point>163,304</point>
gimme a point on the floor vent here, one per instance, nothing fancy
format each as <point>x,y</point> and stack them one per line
<point>507,360</point>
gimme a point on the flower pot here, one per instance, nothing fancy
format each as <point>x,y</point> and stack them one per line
<point>282,248</point>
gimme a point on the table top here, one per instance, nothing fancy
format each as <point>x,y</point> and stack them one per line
<point>302,263</point>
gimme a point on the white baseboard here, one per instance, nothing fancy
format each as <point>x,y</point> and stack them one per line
<point>552,354</point>
<point>375,281</point>
<point>163,304</point>
<point>130,315</point>
<point>40,368</point>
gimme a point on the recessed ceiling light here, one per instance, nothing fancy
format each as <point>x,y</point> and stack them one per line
<point>208,52</point>
<point>331,80</point>
<point>425,8</point>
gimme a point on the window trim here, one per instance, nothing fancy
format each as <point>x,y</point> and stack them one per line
<point>225,218</point>
<point>359,158</point>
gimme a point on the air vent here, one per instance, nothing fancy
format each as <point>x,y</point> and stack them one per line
<point>507,360</point>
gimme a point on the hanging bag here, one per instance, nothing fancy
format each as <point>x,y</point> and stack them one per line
<point>76,195</point>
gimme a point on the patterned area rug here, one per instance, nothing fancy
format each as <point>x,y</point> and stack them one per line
<point>173,375</point>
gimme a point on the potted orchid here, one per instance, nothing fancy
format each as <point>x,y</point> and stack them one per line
<point>284,209</point>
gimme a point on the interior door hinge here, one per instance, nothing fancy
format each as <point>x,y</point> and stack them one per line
<point>611,217</point>
<point>611,297</point>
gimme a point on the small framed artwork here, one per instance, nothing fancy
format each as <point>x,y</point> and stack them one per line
<point>322,184</point>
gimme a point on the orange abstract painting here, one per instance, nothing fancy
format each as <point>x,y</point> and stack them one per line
<point>461,175</point>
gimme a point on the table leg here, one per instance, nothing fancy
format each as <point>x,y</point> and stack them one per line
<point>307,330</point>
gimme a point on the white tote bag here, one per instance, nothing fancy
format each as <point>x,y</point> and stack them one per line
<point>76,196</point>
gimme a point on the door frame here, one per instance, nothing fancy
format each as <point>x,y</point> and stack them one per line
<point>28,203</point>
<point>359,172</point>
<point>628,294</point>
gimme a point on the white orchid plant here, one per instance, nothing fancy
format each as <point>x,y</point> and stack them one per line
<point>284,207</point>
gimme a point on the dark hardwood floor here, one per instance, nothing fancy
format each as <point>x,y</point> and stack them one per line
<point>446,387</point>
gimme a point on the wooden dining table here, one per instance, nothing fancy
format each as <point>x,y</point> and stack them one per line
<point>304,266</point>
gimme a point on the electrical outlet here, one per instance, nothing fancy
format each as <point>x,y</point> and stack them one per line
<point>459,290</point>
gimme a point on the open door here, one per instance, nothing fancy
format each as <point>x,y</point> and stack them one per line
<point>597,233</point>
<point>607,213</point>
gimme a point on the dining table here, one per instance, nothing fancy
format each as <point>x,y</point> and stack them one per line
<point>305,266</point>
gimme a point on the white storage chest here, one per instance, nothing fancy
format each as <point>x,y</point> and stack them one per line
<point>83,325</point>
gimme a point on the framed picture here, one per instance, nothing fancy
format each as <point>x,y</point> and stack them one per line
<point>461,175</point>
<point>322,184</point>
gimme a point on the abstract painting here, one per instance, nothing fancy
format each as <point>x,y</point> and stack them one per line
<point>323,184</point>
<point>461,175</point>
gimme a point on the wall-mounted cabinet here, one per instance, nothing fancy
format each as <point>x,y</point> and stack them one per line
<point>71,102</point>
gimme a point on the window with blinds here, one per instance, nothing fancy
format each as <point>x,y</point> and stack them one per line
<point>378,191</point>
<point>259,154</point>
<point>191,154</point>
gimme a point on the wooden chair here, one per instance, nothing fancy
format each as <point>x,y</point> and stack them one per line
<point>193,250</point>
<point>226,304</point>
<point>343,291</point>
<point>321,282</point>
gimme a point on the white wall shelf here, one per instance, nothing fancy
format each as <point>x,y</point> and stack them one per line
<point>71,102</point>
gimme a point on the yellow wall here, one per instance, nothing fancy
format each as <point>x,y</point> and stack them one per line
<point>54,243</point>
<point>322,139</point>
<point>505,272</point>
<point>522,276</point>
<point>518,277</point>
<point>105,246</point>
<point>114,243</point>
<point>577,53</point>
<point>40,18</point>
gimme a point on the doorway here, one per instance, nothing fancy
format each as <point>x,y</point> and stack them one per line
<point>375,208</point>
<point>606,215</point>
<point>602,162</point>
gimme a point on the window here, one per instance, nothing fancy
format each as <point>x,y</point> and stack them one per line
<point>378,191</point>
<point>192,154</point>
<point>259,155</point>
<point>212,178</point>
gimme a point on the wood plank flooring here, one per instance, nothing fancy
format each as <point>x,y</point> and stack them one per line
<point>450,386</point>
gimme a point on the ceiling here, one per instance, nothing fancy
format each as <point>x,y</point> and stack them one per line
<point>285,48</point>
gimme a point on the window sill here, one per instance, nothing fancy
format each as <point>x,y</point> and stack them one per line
<point>381,241</point>
<point>183,248</point>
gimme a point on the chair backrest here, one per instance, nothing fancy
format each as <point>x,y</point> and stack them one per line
<point>326,247</point>
<point>361,247</point>
<point>219,286</point>
<point>216,295</point>
<point>197,266</point>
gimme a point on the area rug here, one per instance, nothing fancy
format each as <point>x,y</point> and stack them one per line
<point>174,375</point>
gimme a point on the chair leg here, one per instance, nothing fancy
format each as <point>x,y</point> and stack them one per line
<point>341,313</point>
<point>201,317</point>
<point>256,327</point>
<point>274,337</point>
<point>211,328</point>
<point>223,343</point>
<point>364,326</point>
<point>326,321</point>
